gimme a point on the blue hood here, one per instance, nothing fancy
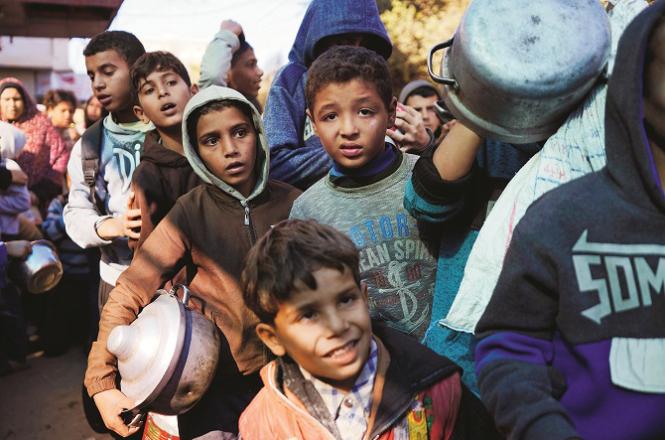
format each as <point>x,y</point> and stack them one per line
<point>324,18</point>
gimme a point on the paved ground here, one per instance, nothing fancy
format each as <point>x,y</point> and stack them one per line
<point>44,401</point>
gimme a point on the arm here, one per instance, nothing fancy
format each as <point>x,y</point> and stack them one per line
<point>216,60</point>
<point>54,225</point>
<point>292,160</point>
<point>162,255</point>
<point>147,202</point>
<point>15,200</point>
<point>515,350</point>
<point>443,183</point>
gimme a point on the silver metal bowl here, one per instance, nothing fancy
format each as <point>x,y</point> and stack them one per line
<point>41,271</point>
<point>516,68</point>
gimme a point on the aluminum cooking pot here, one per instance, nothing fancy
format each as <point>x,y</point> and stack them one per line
<point>167,357</point>
<point>41,270</point>
<point>516,68</point>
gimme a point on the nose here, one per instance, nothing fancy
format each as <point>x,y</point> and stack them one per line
<point>97,82</point>
<point>337,324</point>
<point>162,91</point>
<point>348,128</point>
<point>229,148</point>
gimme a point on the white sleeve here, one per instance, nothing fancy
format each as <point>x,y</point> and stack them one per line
<point>80,213</point>
<point>216,60</point>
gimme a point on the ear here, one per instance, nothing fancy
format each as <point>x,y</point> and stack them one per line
<point>363,291</point>
<point>311,119</point>
<point>194,89</point>
<point>392,112</point>
<point>268,336</point>
<point>138,111</point>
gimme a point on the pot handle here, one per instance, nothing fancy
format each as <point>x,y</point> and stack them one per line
<point>186,293</point>
<point>441,80</point>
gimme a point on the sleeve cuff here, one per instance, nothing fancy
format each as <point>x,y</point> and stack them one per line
<point>107,383</point>
<point>551,426</point>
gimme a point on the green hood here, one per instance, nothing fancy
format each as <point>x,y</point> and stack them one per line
<point>217,93</point>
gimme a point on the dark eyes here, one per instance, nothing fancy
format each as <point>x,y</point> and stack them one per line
<point>240,132</point>
<point>209,141</point>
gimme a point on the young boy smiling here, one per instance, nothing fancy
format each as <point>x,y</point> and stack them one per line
<point>351,106</point>
<point>164,174</point>
<point>210,228</point>
<point>337,375</point>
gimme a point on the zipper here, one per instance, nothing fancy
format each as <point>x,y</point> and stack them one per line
<point>392,421</point>
<point>248,222</point>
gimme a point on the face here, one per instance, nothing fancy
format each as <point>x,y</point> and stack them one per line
<point>11,104</point>
<point>327,331</point>
<point>227,146</point>
<point>94,109</point>
<point>654,100</point>
<point>62,115</point>
<point>351,120</point>
<point>163,96</point>
<point>111,85</point>
<point>245,75</point>
<point>425,106</point>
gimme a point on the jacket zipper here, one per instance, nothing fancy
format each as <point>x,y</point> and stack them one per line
<point>248,222</point>
<point>392,421</point>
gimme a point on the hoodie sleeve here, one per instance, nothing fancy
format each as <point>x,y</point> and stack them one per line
<point>216,60</point>
<point>514,354</point>
<point>14,200</point>
<point>81,216</point>
<point>53,225</point>
<point>161,256</point>
<point>292,160</point>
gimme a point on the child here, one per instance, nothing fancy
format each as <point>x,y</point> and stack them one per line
<point>571,343</point>
<point>60,107</point>
<point>296,152</point>
<point>104,159</point>
<point>15,198</point>
<point>164,174</point>
<point>424,98</point>
<point>337,374</point>
<point>351,106</point>
<point>229,60</point>
<point>212,228</point>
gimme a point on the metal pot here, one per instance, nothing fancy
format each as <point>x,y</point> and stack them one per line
<point>167,357</point>
<point>41,270</point>
<point>516,68</point>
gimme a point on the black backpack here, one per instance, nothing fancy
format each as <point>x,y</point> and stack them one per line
<point>91,143</point>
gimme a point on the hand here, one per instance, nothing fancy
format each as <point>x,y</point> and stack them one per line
<point>19,177</point>
<point>128,225</point>
<point>232,26</point>
<point>18,248</point>
<point>411,134</point>
<point>110,404</point>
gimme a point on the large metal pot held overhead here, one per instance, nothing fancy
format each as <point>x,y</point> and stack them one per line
<point>516,68</point>
<point>167,357</point>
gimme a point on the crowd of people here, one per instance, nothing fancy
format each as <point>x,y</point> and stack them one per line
<point>326,237</point>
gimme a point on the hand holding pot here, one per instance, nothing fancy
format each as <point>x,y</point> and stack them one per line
<point>410,132</point>
<point>18,248</point>
<point>110,404</point>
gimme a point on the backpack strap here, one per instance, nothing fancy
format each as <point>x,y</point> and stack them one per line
<point>91,143</point>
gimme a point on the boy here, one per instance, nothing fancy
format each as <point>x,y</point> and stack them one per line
<point>103,160</point>
<point>424,98</point>
<point>163,87</point>
<point>351,106</point>
<point>297,155</point>
<point>337,374</point>
<point>211,228</point>
<point>571,343</point>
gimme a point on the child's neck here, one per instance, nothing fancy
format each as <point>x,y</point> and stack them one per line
<point>172,139</point>
<point>376,169</point>
<point>124,116</point>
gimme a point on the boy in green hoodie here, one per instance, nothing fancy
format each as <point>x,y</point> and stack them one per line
<point>212,228</point>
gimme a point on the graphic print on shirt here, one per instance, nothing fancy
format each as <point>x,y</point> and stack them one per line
<point>395,264</point>
<point>631,275</point>
<point>127,156</point>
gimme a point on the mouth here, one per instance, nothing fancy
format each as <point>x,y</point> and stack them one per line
<point>235,168</point>
<point>167,107</point>
<point>351,150</point>
<point>345,353</point>
<point>104,100</point>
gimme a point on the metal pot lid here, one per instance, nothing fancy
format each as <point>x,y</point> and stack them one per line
<point>149,348</point>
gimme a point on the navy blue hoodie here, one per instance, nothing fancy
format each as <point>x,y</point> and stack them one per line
<point>296,154</point>
<point>572,342</point>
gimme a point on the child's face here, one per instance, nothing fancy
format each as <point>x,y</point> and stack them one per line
<point>62,115</point>
<point>245,75</point>
<point>226,142</point>
<point>425,106</point>
<point>351,120</point>
<point>654,103</point>
<point>111,85</point>
<point>327,331</point>
<point>163,96</point>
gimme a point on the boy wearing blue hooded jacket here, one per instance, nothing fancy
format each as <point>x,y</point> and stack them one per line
<point>296,154</point>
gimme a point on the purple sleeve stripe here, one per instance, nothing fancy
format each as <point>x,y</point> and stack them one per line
<point>511,346</point>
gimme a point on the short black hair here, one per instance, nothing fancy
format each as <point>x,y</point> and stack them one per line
<point>214,106</point>
<point>56,96</point>
<point>424,91</point>
<point>341,64</point>
<point>283,260</point>
<point>158,61</point>
<point>126,44</point>
<point>244,47</point>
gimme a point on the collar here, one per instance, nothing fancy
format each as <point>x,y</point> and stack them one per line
<point>378,168</point>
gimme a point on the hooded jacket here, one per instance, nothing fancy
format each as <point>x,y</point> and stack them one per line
<point>572,343</point>
<point>211,228</point>
<point>45,154</point>
<point>161,177</point>
<point>409,378</point>
<point>297,156</point>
